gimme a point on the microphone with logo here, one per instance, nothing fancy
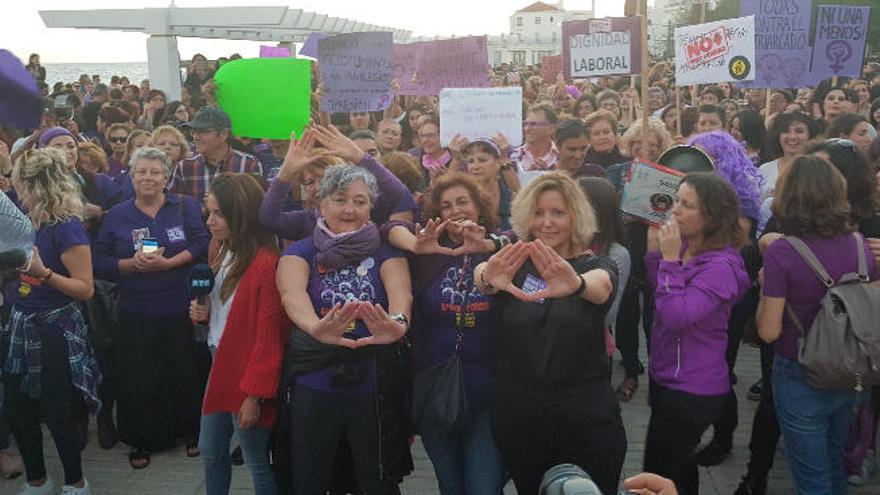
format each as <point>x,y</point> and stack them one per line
<point>201,283</point>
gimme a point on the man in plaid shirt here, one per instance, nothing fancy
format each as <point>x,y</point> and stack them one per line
<point>210,133</point>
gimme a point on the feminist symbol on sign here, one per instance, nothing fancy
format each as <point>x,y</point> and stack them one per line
<point>838,51</point>
<point>769,65</point>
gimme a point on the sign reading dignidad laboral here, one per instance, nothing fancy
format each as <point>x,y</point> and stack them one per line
<point>602,47</point>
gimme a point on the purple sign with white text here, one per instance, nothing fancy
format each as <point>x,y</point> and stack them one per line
<point>426,67</point>
<point>356,71</point>
<point>274,51</point>
<point>839,43</point>
<point>782,42</point>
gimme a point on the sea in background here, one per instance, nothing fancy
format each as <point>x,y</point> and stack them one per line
<point>135,71</point>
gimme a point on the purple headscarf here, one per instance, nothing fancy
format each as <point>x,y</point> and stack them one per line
<point>51,133</point>
<point>732,163</point>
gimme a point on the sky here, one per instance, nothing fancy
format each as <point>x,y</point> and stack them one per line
<point>22,30</point>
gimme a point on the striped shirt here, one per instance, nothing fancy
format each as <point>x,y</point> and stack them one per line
<point>193,176</point>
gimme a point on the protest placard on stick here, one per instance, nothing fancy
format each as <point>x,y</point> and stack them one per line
<point>356,71</point>
<point>839,41</point>
<point>782,42</point>
<point>601,47</point>
<point>425,68</point>
<point>720,51</point>
<point>481,113</point>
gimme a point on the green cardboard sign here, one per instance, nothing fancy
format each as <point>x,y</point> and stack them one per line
<point>265,97</point>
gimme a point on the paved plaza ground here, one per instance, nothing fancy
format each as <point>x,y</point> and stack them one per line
<point>172,473</point>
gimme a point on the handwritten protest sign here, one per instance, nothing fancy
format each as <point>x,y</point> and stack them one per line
<point>356,71</point>
<point>274,51</point>
<point>310,46</point>
<point>839,42</point>
<point>713,52</point>
<point>551,66</point>
<point>426,67</point>
<point>481,113</point>
<point>649,191</point>
<point>782,42</point>
<point>602,47</point>
<point>265,97</point>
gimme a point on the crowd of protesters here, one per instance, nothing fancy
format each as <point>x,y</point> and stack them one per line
<point>355,260</point>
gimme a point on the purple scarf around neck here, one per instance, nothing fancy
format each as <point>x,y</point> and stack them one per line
<point>335,251</point>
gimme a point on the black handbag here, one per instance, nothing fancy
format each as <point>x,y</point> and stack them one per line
<point>439,397</point>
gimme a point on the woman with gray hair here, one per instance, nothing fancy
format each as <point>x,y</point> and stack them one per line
<point>349,298</point>
<point>148,245</point>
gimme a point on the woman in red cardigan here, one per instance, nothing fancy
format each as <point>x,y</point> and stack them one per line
<point>247,333</point>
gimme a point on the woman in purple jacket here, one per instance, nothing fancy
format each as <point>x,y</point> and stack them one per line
<point>698,274</point>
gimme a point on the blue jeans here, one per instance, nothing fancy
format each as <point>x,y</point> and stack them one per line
<point>814,424</point>
<point>466,462</point>
<point>216,432</point>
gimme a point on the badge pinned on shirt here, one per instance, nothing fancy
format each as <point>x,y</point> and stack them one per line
<point>27,284</point>
<point>138,236</point>
<point>365,266</point>
<point>534,284</point>
<point>176,234</point>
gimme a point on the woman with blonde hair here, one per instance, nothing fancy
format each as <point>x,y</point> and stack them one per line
<point>48,365</point>
<point>552,401</point>
<point>136,140</point>
<point>170,140</point>
<point>632,145</point>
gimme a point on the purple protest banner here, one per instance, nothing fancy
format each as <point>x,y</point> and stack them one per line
<point>274,51</point>
<point>839,42</point>
<point>551,66</point>
<point>602,47</point>
<point>356,71</point>
<point>782,42</point>
<point>20,100</point>
<point>426,67</point>
<point>310,46</point>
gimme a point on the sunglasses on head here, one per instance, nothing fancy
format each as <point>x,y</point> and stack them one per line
<point>842,143</point>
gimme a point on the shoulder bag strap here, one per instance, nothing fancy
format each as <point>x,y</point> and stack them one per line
<point>863,263</point>
<point>810,258</point>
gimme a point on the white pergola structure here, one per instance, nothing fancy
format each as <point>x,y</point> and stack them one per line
<point>164,25</point>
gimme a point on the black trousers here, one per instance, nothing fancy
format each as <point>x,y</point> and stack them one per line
<point>158,396</point>
<point>60,406</point>
<point>535,431</point>
<point>626,335</point>
<point>678,420</point>
<point>765,426</point>
<point>319,420</point>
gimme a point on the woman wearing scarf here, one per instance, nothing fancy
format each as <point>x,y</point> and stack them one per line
<point>602,131</point>
<point>435,160</point>
<point>344,292</point>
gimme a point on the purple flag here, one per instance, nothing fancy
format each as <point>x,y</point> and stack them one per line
<point>356,71</point>
<point>839,43</point>
<point>274,51</point>
<point>782,43</point>
<point>426,67</point>
<point>20,99</point>
<point>310,46</point>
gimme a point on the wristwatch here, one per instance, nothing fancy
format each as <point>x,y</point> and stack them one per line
<point>400,318</point>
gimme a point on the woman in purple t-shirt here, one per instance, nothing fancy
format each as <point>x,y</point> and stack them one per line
<point>811,203</point>
<point>342,287</point>
<point>447,304</point>
<point>48,366</point>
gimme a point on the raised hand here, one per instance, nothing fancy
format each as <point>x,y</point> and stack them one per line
<point>559,276</point>
<point>670,241</point>
<point>473,238</point>
<point>331,328</point>
<point>427,239</point>
<point>457,145</point>
<point>502,267</point>
<point>338,144</point>
<point>383,330</point>
<point>300,154</point>
<point>503,144</point>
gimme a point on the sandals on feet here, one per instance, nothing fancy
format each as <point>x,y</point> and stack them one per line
<point>627,388</point>
<point>138,459</point>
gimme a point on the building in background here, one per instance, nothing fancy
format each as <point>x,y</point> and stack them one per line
<point>535,31</point>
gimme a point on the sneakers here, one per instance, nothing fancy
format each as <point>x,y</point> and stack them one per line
<point>47,489</point>
<point>756,390</point>
<point>72,490</point>
<point>10,464</point>
<point>713,453</point>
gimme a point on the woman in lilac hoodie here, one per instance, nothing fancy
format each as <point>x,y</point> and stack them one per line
<point>694,264</point>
